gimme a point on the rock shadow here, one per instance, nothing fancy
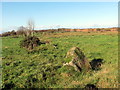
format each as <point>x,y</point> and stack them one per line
<point>90,87</point>
<point>96,64</point>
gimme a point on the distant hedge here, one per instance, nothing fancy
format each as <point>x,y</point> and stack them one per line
<point>8,33</point>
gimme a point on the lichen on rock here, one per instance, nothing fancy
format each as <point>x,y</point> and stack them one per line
<point>78,59</point>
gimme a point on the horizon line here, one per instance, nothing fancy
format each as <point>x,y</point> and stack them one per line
<point>67,28</point>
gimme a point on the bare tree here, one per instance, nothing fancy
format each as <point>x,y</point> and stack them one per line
<point>31,27</point>
<point>27,31</point>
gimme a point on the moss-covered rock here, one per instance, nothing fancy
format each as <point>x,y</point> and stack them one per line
<point>78,59</point>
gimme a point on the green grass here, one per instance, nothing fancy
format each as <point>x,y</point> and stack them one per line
<point>43,67</point>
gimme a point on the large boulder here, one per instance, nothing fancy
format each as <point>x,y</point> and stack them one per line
<point>78,59</point>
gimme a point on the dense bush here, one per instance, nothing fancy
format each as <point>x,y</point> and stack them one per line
<point>30,42</point>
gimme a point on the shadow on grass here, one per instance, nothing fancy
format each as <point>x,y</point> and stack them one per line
<point>90,87</point>
<point>8,86</point>
<point>96,64</point>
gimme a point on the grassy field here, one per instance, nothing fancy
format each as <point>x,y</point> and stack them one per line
<point>43,66</point>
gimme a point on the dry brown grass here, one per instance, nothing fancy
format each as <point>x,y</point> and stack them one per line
<point>80,33</point>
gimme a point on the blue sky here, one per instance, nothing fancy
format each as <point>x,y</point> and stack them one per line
<point>59,14</point>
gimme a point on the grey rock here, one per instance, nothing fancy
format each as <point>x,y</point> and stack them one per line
<point>78,59</point>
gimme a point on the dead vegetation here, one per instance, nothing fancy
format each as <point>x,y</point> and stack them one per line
<point>30,42</point>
